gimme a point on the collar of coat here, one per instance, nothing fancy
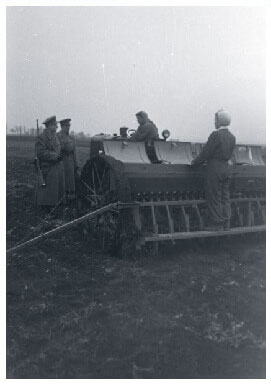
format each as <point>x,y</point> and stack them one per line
<point>63,133</point>
<point>51,139</point>
<point>222,128</point>
<point>49,134</point>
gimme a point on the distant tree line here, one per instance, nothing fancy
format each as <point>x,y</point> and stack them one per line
<point>23,131</point>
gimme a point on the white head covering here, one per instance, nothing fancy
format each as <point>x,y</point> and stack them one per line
<point>223,118</point>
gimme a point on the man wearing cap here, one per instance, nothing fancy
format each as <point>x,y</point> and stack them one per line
<point>48,151</point>
<point>147,130</point>
<point>68,150</point>
<point>216,153</point>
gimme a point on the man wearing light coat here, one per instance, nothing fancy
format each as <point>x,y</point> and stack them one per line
<point>68,150</point>
<point>48,152</point>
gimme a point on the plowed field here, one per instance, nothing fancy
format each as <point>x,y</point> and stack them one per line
<point>193,311</point>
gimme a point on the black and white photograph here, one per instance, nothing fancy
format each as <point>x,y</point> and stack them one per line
<point>136,191</point>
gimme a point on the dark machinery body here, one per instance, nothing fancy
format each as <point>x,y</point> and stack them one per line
<point>184,180</point>
<point>155,183</point>
<point>134,194</point>
<point>152,176</point>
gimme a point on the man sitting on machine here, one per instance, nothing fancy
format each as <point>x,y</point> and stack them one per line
<point>147,130</point>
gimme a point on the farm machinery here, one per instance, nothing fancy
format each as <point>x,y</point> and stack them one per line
<point>137,195</point>
<point>153,194</point>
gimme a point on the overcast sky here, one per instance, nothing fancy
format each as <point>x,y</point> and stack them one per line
<point>101,65</point>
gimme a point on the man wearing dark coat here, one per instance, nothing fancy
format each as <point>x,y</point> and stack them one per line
<point>68,150</point>
<point>48,152</point>
<point>147,130</point>
<point>216,153</point>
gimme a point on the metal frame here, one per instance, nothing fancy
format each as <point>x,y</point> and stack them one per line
<point>204,234</point>
<point>245,225</point>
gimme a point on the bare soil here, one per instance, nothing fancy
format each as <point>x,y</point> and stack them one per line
<point>193,311</point>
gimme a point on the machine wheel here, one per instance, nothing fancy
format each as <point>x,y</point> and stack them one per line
<point>102,182</point>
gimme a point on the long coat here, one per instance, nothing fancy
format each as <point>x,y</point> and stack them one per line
<point>47,150</point>
<point>68,149</point>
<point>217,152</point>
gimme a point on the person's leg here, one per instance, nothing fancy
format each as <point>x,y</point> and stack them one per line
<point>226,204</point>
<point>213,189</point>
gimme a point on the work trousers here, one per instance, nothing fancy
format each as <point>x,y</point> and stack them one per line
<point>217,189</point>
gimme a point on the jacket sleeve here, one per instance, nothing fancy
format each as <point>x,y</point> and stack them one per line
<point>43,153</point>
<point>207,151</point>
<point>140,135</point>
<point>147,132</point>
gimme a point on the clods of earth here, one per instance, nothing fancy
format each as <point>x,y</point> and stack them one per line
<point>195,310</point>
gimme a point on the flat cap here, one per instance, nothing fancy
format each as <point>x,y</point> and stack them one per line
<point>51,119</point>
<point>64,121</point>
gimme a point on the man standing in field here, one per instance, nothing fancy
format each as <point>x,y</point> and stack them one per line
<point>48,151</point>
<point>68,150</point>
<point>216,153</point>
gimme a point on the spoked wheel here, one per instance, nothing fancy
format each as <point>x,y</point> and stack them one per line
<point>102,182</point>
<point>95,188</point>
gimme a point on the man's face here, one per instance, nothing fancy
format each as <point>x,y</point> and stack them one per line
<point>66,127</point>
<point>52,127</point>
<point>140,119</point>
<point>216,122</point>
